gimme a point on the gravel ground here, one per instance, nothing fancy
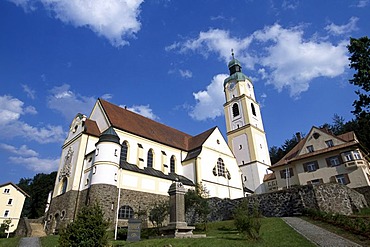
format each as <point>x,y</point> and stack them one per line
<point>317,235</point>
<point>29,242</point>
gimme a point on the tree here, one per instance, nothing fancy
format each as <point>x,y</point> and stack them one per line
<point>5,227</point>
<point>276,153</point>
<point>360,62</point>
<point>246,221</point>
<point>38,188</point>
<point>158,214</point>
<point>88,230</point>
<point>197,199</point>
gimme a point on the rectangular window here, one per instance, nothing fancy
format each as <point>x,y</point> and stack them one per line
<point>10,201</point>
<point>6,213</point>
<point>347,156</point>
<point>357,155</point>
<point>6,191</point>
<point>342,179</point>
<point>329,143</point>
<point>286,173</point>
<point>310,166</point>
<point>310,149</point>
<point>333,161</point>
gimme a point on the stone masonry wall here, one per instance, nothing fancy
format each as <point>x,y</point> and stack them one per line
<point>364,191</point>
<point>334,198</point>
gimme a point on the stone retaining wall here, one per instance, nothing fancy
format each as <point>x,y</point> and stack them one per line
<point>364,191</point>
<point>334,198</point>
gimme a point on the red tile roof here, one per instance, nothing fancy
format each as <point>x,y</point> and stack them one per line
<point>136,124</point>
<point>269,176</point>
<point>91,128</point>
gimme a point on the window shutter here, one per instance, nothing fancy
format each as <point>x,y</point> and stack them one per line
<point>321,181</point>
<point>328,162</point>
<point>340,159</point>
<point>347,178</point>
<point>282,174</point>
<point>316,165</point>
<point>333,179</point>
<point>291,172</point>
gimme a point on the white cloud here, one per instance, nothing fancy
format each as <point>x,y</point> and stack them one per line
<point>11,126</point>
<point>362,3</point>
<point>30,93</point>
<point>116,20</point>
<point>343,29</point>
<point>29,159</point>
<point>68,103</point>
<point>36,164</point>
<point>286,59</point>
<point>143,110</point>
<point>209,103</point>
<point>294,62</point>
<point>186,73</point>
<point>23,151</point>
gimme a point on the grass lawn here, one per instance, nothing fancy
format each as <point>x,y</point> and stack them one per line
<point>9,242</point>
<point>274,232</point>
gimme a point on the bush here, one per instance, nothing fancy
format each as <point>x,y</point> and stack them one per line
<point>89,229</point>
<point>158,214</point>
<point>248,222</point>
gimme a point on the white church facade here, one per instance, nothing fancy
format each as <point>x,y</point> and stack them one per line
<point>127,162</point>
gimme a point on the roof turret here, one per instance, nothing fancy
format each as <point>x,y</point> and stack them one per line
<point>109,135</point>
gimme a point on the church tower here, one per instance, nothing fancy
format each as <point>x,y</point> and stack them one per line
<point>245,133</point>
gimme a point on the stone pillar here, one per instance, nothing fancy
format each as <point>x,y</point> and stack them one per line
<point>177,204</point>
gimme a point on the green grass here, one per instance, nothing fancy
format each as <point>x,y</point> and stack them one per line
<point>9,242</point>
<point>274,232</point>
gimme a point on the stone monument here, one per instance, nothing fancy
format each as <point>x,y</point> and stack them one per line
<point>178,228</point>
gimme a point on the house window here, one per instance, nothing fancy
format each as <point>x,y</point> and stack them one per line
<point>357,155</point>
<point>64,186</point>
<point>150,158</point>
<point>6,213</point>
<point>310,166</point>
<point>235,110</point>
<point>172,164</point>
<point>329,143</point>
<point>6,191</point>
<point>286,173</point>
<point>124,149</point>
<point>342,179</point>
<point>310,149</point>
<point>333,161</point>
<point>316,181</point>
<point>10,201</point>
<point>125,212</point>
<point>253,110</point>
<point>347,156</point>
<point>220,167</point>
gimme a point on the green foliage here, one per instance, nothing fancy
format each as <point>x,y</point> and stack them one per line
<point>38,188</point>
<point>89,229</point>
<point>158,213</point>
<point>360,62</point>
<point>197,199</point>
<point>246,222</point>
<point>355,224</point>
<point>4,227</point>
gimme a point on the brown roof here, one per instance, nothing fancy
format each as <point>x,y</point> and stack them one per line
<point>136,124</point>
<point>292,155</point>
<point>269,176</point>
<point>15,186</point>
<point>91,128</point>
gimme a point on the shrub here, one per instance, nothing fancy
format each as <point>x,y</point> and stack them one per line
<point>246,222</point>
<point>158,214</point>
<point>89,229</point>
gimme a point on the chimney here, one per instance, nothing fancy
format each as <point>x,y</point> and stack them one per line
<point>298,135</point>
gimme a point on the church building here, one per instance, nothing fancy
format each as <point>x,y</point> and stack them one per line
<point>127,162</point>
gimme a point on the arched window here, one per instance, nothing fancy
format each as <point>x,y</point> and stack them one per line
<point>235,110</point>
<point>124,151</point>
<point>125,212</point>
<point>220,167</point>
<point>64,186</point>
<point>150,158</point>
<point>172,164</point>
<point>253,110</point>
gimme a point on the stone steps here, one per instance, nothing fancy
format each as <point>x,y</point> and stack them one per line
<point>37,230</point>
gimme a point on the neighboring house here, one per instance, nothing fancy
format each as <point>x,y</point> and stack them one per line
<point>322,157</point>
<point>11,203</point>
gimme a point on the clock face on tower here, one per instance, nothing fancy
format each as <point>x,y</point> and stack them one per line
<point>232,85</point>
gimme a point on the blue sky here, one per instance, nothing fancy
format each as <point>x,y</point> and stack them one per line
<point>167,60</point>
